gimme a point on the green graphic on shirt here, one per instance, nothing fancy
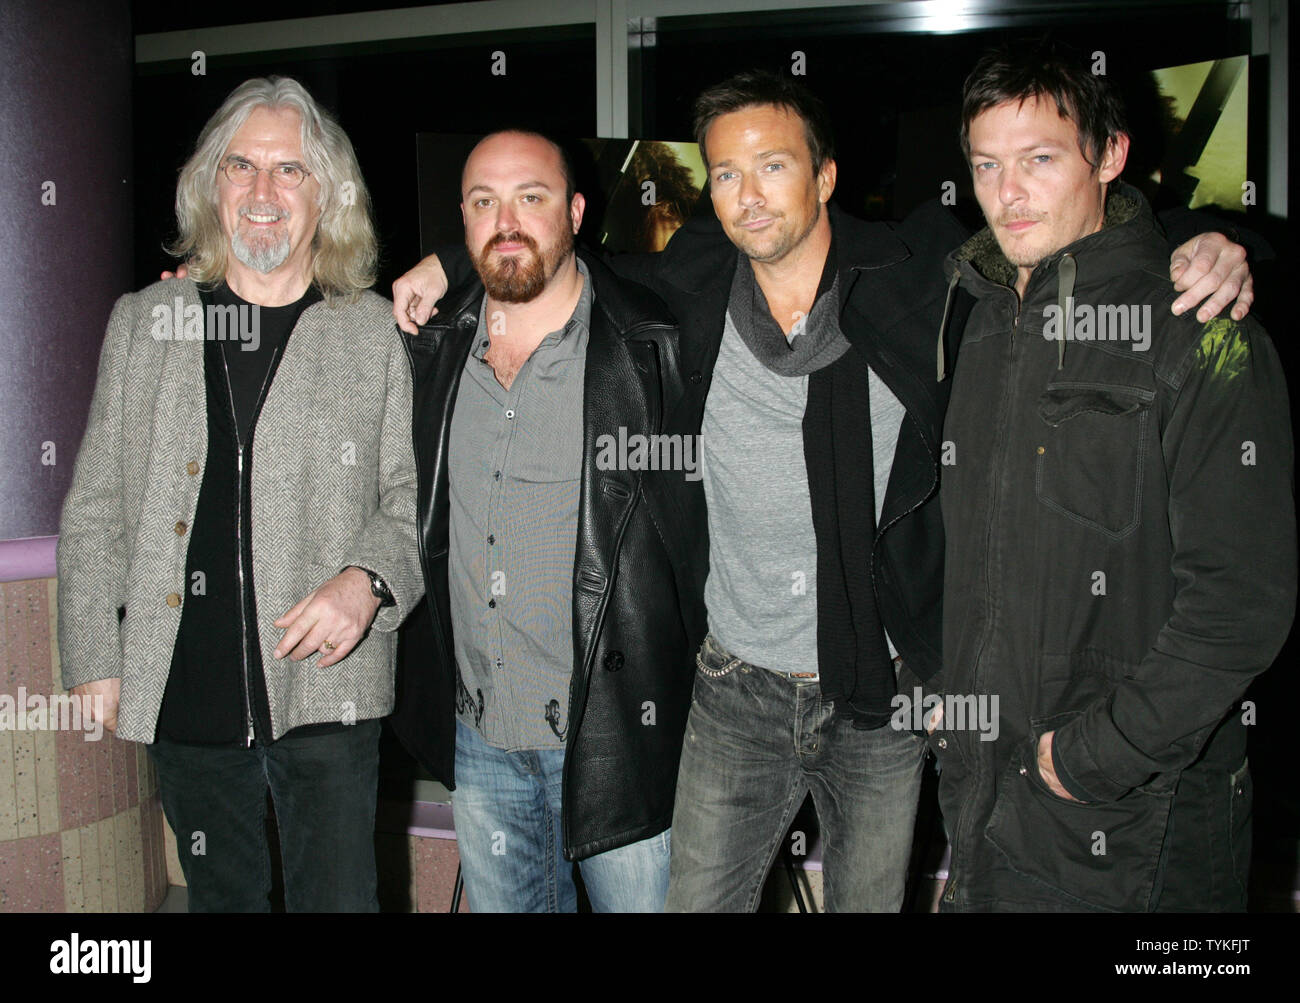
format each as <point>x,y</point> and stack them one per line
<point>1223,349</point>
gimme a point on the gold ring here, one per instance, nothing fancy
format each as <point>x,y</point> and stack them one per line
<point>329,645</point>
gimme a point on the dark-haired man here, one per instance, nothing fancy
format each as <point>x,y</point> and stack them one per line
<point>807,345</point>
<point>1120,528</point>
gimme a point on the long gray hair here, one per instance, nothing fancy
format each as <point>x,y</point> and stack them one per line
<point>344,249</point>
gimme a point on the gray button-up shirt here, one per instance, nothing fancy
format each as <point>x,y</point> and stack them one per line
<point>514,472</point>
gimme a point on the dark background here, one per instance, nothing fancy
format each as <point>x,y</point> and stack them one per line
<point>893,96</point>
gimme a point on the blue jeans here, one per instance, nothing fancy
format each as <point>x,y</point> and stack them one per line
<point>323,788</point>
<point>756,743</point>
<point>507,813</point>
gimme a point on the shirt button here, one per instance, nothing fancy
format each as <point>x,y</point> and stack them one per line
<point>180,528</point>
<point>492,604</point>
<point>173,600</point>
<point>496,475</point>
<point>483,344</point>
<point>491,539</point>
<point>509,413</point>
<point>192,468</point>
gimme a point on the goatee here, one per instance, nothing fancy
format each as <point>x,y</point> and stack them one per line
<point>265,255</point>
<point>522,277</point>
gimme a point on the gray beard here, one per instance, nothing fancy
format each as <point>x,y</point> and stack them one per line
<point>266,258</point>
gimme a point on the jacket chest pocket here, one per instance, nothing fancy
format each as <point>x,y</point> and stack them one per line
<point>1091,455</point>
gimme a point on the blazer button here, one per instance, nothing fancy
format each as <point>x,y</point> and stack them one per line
<point>173,600</point>
<point>613,661</point>
<point>192,468</point>
<point>181,528</point>
<point>695,377</point>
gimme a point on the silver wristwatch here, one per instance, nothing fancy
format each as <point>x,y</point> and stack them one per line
<point>378,587</point>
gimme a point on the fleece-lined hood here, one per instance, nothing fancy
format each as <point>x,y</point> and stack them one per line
<point>1122,245</point>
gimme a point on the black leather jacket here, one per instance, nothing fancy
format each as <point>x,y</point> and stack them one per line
<point>638,608</point>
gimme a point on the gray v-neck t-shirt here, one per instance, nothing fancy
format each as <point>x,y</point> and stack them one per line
<point>761,590</point>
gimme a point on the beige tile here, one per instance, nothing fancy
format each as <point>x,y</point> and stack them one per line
<point>52,604</point>
<point>8,802</point>
<point>24,774</point>
<point>175,876</point>
<point>412,879</point>
<point>74,884</point>
<point>46,766</point>
<point>146,779</point>
<point>154,865</point>
<point>130,861</point>
<point>108,876</point>
<point>91,880</point>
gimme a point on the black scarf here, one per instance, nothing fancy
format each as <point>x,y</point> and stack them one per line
<point>857,674</point>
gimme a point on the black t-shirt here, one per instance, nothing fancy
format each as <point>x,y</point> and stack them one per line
<point>251,367</point>
<point>204,703</point>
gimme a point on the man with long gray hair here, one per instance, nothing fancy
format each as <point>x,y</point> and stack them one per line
<point>238,544</point>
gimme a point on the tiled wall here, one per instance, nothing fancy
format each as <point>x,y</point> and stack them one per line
<point>416,873</point>
<point>80,822</point>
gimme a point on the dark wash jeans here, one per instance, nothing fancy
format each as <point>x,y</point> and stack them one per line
<point>757,742</point>
<point>323,788</point>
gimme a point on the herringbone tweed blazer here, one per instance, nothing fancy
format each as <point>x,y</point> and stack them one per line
<point>333,484</point>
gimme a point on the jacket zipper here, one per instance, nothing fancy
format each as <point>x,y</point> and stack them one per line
<point>950,890</point>
<point>239,548</point>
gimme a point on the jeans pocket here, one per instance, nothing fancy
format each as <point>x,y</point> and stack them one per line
<point>714,661</point>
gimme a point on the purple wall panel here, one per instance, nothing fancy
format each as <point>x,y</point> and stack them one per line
<point>65,115</point>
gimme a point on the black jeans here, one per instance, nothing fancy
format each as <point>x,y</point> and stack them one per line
<point>323,788</point>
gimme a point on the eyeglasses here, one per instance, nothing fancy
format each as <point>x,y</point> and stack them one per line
<point>242,174</point>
